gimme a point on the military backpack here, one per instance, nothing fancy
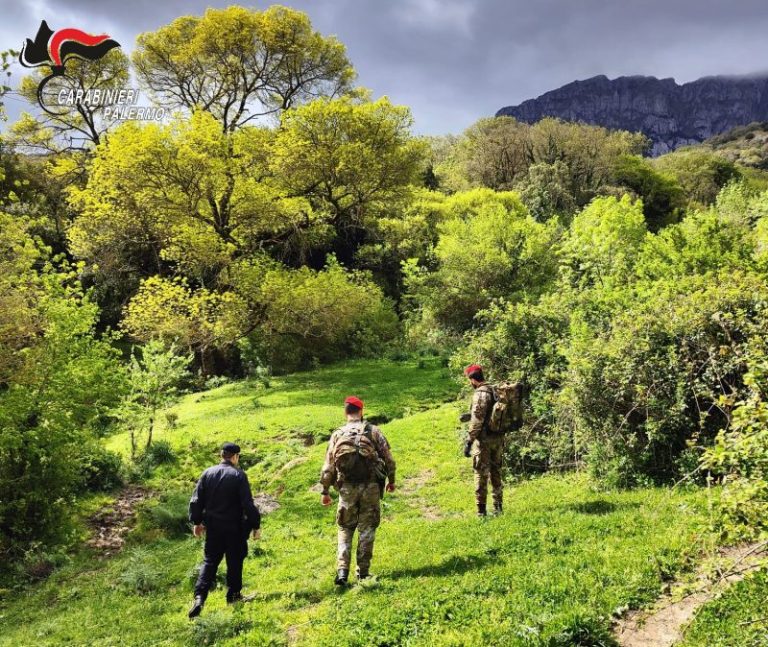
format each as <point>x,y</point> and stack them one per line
<point>506,414</point>
<point>355,455</point>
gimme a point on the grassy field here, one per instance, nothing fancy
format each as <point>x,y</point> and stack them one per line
<point>551,571</point>
<point>738,619</point>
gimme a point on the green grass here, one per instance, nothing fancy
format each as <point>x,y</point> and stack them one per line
<point>738,618</point>
<point>550,572</point>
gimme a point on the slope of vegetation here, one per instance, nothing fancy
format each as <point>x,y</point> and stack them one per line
<point>738,618</point>
<point>551,571</point>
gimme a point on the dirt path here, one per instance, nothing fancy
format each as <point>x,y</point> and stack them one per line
<point>664,624</point>
<point>111,524</point>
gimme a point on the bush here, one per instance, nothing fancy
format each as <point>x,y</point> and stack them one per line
<point>740,456</point>
<point>102,469</point>
<point>139,574</point>
<point>320,316</point>
<point>159,452</point>
<point>169,514</point>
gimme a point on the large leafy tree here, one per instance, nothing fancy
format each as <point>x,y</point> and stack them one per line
<point>240,64</point>
<point>352,161</point>
<point>80,127</point>
<point>189,197</point>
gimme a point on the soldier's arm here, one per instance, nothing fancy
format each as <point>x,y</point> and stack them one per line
<point>196,503</point>
<point>328,473</point>
<point>478,412</point>
<point>246,500</point>
<point>382,445</point>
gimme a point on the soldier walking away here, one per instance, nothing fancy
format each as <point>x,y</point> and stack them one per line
<point>222,507</point>
<point>485,447</point>
<point>358,463</point>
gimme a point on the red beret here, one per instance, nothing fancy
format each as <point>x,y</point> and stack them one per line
<point>355,402</point>
<point>472,368</point>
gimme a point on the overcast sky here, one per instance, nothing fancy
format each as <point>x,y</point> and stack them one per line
<point>454,61</point>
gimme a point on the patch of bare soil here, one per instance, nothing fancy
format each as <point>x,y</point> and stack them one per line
<point>411,486</point>
<point>111,524</point>
<point>665,623</point>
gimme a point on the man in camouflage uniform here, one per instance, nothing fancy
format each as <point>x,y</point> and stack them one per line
<point>359,502</point>
<point>487,451</point>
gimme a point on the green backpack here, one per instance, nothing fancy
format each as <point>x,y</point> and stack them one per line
<point>355,455</point>
<point>507,411</point>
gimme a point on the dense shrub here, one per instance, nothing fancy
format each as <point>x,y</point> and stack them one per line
<point>634,355</point>
<point>740,455</point>
<point>102,469</point>
<point>169,514</point>
<point>57,380</point>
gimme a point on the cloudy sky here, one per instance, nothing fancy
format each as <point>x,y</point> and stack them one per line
<point>453,61</point>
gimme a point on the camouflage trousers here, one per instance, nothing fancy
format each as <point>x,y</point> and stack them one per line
<point>488,461</point>
<point>359,508</point>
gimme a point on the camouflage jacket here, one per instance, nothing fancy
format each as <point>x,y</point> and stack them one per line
<point>328,476</point>
<point>482,401</point>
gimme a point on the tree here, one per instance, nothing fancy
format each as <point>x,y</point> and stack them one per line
<point>154,377</point>
<point>491,153</point>
<point>489,247</point>
<point>604,243</point>
<point>352,161</point>
<point>240,64</point>
<point>199,320</point>
<point>324,315</point>
<point>701,173</point>
<point>663,198</point>
<point>81,126</point>
<point>545,191</point>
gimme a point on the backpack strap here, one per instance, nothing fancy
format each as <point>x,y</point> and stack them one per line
<point>488,388</point>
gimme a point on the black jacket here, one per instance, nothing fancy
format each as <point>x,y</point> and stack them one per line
<point>223,496</point>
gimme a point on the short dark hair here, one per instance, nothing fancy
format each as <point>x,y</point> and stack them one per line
<point>477,375</point>
<point>349,409</point>
<point>226,455</point>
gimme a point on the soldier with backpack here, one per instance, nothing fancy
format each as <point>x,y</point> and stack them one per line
<point>496,410</point>
<point>358,462</point>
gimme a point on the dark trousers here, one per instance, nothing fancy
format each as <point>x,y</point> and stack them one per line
<point>223,541</point>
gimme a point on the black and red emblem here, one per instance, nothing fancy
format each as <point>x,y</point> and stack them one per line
<point>54,48</point>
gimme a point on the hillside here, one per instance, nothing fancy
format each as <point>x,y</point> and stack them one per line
<point>745,145</point>
<point>671,115</point>
<point>551,571</point>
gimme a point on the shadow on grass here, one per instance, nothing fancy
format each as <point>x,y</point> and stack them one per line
<point>453,565</point>
<point>600,507</point>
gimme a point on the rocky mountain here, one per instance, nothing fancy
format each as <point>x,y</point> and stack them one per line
<point>671,115</point>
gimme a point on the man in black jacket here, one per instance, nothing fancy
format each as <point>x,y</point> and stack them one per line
<point>222,507</point>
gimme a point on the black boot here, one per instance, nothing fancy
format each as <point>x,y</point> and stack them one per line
<point>481,512</point>
<point>341,577</point>
<point>197,606</point>
<point>363,574</point>
<point>497,508</point>
<point>234,596</point>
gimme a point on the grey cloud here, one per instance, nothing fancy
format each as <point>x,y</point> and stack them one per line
<point>454,61</point>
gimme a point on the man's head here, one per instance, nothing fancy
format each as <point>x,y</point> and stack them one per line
<point>231,452</point>
<point>474,373</point>
<point>353,408</point>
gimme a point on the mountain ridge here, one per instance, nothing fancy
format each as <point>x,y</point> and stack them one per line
<point>669,113</point>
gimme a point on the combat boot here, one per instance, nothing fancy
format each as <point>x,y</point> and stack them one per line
<point>341,577</point>
<point>363,574</point>
<point>233,597</point>
<point>197,606</point>
<point>497,509</point>
<point>481,511</point>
